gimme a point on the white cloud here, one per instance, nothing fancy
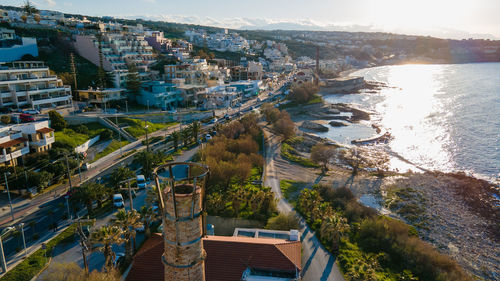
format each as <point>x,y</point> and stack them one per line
<point>51,3</point>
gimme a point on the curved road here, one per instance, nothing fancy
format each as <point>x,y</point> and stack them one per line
<point>317,262</point>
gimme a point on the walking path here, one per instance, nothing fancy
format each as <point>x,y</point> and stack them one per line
<point>317,262</point>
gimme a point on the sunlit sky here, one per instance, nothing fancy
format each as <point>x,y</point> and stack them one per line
<point>423,16</point>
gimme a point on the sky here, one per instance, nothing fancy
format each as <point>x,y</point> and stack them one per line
<point>462,18</point>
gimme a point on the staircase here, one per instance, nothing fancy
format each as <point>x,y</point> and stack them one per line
<point>107,123</point>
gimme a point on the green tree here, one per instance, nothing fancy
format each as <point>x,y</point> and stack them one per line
<point>103,238</point>
<point>40,179</point>
<point>175,138</point>
<point>147,217</point>
<point>119,175</point>
<point>106,134</point>
<point>195,129</point>
<point>29,8</point>
<point>148,160</point>
<point>89,192</point>
<point>133,80</point>
<point>5,119</point>
<point>186,135</point>
<point>128,221</point>
<point>57,122</point>
<point>303,93</point>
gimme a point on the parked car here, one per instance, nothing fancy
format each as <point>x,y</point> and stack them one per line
<point>208,137</point>
<point>118,201</point>
<point>141,182</point>
<point>26,118</point>
<point>31,111</point>
<point>6,110</point>
<point>226,116</point>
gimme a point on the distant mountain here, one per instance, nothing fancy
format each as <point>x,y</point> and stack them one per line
<point>308,24</point>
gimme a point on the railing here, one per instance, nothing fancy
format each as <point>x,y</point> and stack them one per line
<point>43,142</point>
<point>15,154</point>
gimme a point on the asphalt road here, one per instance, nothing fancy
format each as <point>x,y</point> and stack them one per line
<point>317,262</point>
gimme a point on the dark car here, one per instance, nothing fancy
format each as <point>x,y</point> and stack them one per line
<point>6,110</point>
<point>26,118</point>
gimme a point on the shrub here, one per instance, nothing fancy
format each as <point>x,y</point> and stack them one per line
<point>57,122</point>
<point>82,129</point>
<point>283,222</point>
<point>106,134</point>
<point>5,119</point>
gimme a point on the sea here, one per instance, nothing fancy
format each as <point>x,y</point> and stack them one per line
<point>442,117</point>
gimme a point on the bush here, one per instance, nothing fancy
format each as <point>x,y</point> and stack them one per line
<point>57,122</point>
<point>106,134</point>
<point>283,222</point>
<point>5,119</point>
<point>303,93</point>
<point>82,129</point>
<point>288,152</point>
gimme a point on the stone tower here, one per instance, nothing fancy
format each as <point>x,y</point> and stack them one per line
<point>181,194</point>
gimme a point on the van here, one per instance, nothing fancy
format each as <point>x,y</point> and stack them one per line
<point>141,182</point>
<point>118,201</point>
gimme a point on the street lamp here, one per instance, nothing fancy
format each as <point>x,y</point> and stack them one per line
<point>21,226</point>
<point>147,139</point>
<point>129,191</point>
<point>8,194</point>
<point>67,207</point>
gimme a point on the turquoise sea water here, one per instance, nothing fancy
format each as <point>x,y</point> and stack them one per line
<point>442,117</point>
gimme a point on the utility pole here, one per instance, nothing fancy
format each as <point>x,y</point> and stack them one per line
<point>147,139</point>
<point>129,192</point>
<point>69,175</point>
<point>8,194</point>
<point>83,242</point>
<point>126,106</point>
<point>79,169</point>
<point>2,257</point>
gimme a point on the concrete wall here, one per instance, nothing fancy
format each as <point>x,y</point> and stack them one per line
<point>77,120</point>
<point>84,147</point>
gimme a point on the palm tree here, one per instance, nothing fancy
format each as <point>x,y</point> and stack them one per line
<point>147,217</point>
<point>128,221</point>
<point>88,192</point>
<point>175,138</point>
<point>332,228</point>
<point>103,238</point>
<point>29,9</point>
<point>195,127</point>
<point>185,136</point>
<point>148,160</point>
<point>119,175</point>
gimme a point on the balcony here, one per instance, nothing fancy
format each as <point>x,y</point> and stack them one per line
<point>43,142</point>
<point>52,100</point>
<point>14,155</point>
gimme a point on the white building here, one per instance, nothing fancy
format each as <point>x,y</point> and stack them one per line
<point>18,140</point>
<point>30,84</point>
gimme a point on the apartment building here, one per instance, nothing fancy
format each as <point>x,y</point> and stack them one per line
<point>158,41</point>
<point>99,96</point>
<point>118,51</point>
<point>194,72</point>
<point>29,84</point>
<point>21,139</point>
<point>160,94</point>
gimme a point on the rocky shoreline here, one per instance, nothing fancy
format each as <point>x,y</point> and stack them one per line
<point>458,214</point>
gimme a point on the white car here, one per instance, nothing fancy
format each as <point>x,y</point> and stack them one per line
<point>31,111</point>
<point>118,201</point>
<point>141,181</point>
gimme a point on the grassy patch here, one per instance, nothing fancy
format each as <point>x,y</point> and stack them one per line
<point>291,190</point>
<point>31,266</point>
<point>70,137</point>
<point>289,153</point>
<point>316,99</point>
<point>137,127</point>
<point>114,145</point>
<point>409,204</point>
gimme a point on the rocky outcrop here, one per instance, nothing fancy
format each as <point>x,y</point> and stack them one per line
<point>309,125</point>
<point>337,124</point>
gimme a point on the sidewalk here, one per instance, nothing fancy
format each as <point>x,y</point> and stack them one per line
<point>17,258</point>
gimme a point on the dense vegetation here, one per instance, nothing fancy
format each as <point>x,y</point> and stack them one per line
<point>369,246</point>
<point>234,161</point>
<point>280,121</point>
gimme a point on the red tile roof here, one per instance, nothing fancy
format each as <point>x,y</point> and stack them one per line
<point>12,143</point>
<point>44,130</point>
<point>227,257</point>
